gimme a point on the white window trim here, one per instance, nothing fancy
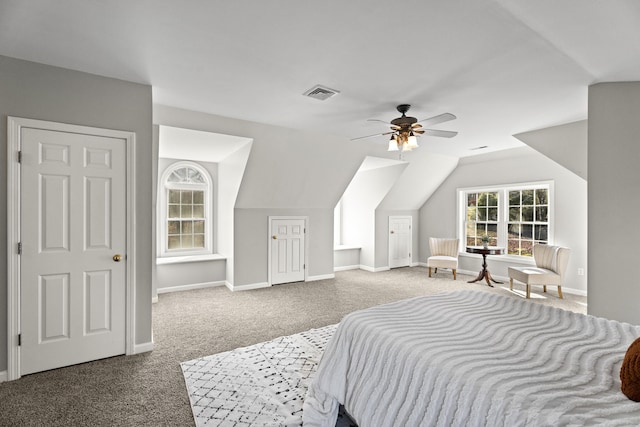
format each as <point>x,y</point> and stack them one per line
<point>503,213</point>
<point>163,252</point>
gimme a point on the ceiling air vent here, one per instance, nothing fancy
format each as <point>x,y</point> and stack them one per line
<point>320,92</point>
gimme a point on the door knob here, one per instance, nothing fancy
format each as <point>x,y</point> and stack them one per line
<point>274,237</point>
<point>117,257</point>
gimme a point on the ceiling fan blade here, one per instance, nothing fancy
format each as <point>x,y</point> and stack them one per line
<point>396,127</point>
<point>416,125</point>
<point>444,117</point>
<point>418,131</point>
<point>370,136</point>
<point>440,133</point>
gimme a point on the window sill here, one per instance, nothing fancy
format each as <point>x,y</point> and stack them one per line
<point>189,258</point>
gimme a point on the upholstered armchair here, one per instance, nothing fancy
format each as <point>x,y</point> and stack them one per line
<point>551,265</point>
<point>444,254</point>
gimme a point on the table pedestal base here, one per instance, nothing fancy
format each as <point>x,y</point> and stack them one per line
<point>484,273</point>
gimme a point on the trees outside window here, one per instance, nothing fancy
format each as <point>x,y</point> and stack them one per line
<point>514,217</point>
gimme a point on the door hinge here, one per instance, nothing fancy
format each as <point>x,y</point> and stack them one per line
<point>19,156</point>
<point>19,340</point>
<point>19,248</point>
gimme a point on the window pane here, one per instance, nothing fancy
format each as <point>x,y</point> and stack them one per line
<point>541,214</point>
<point>173,227</point>
<point>187,241</point>
<point>198,226</point>
<point>471,241</point>
<point>514,231</point>
<point>198,197</point>
<point>542,197</point>
<point>480,229</point>
<point>471,213</point>
<point>514,214</point>
<point>482,199</point>
<point>186,197</point>
<point>174,196</point>
<point>527,197</point>
<point>526,248</point>
<point>471,199</point>
<point>492,230</point>
<point>514,198</point>
<point>492,214</point>
<point>198,241</point>
<point>174,211</point>
<point>526,232</point>
<point>186,211</point>
<point>187,227</point>
<point>541,232</point>
<point>173,242</point>
<point>493,199</point>
<point>482,214</point>
<point>513,247</point>
<point>198,211</point>
<point>527,213</point>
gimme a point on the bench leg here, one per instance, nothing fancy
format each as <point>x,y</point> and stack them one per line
<point>528,291</point>
<point>511,283</point>
<point>454,274</point>
<point>560,292</point>
<point>544,288</point>
<point>429,271</point>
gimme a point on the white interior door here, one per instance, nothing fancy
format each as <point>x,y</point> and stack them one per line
<point>400,241</point>
<point>287,250</point>
<point>73,228</point>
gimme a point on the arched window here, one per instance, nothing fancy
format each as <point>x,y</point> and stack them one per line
<point>185,205</point>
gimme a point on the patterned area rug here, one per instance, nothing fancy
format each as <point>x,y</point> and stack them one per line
<point>261,385</point>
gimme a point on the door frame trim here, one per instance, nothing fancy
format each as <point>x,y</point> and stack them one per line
<point>14,143</point>
<point>391,217</point>
<point>306,244</point>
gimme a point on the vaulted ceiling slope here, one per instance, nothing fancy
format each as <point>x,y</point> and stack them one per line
<point>502,66</point>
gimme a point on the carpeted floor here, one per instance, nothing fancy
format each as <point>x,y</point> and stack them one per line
<point>148,389</point>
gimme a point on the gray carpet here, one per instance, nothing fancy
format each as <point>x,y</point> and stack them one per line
<point>148,389</point>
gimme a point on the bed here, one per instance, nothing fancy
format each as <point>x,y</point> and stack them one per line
<point>473,358</point>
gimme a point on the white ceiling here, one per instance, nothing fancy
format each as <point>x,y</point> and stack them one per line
<point>502,66</point>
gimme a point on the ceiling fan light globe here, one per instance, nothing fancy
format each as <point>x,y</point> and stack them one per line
<point>393,145</point>
<point>412,142</point>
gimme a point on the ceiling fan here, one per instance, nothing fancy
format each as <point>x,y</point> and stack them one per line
<point>405,129</point>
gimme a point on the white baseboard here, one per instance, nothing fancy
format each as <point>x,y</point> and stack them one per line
<point>247,287</point>
<point>3,376</point>
<point>320,277</point>
<point>142,348</point>
<point>374,270</point>
<point>190,287</point>
<point>154,299</point>
<point>347,267</point>
<point>422,264</point>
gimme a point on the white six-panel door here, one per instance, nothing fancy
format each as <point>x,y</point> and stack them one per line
<point>287,250</point>
<point>73,228</point>
<point>400,241</point>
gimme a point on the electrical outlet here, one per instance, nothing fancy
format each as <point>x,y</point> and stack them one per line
<point>581,272</point>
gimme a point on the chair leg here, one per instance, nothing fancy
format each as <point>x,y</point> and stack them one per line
<point>454,275</point>
<point>511,283</point>
<point>429,271</point>
<point>528,291</point>
<point>560,292</point>
<point>436,270</point>
<point>544,288</point>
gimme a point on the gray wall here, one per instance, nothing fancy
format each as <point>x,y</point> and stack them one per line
<point>43,92</point>
<point>614,205</point>
<point>438,216</point>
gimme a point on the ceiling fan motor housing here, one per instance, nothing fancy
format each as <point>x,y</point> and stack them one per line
<point>404,121</point>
